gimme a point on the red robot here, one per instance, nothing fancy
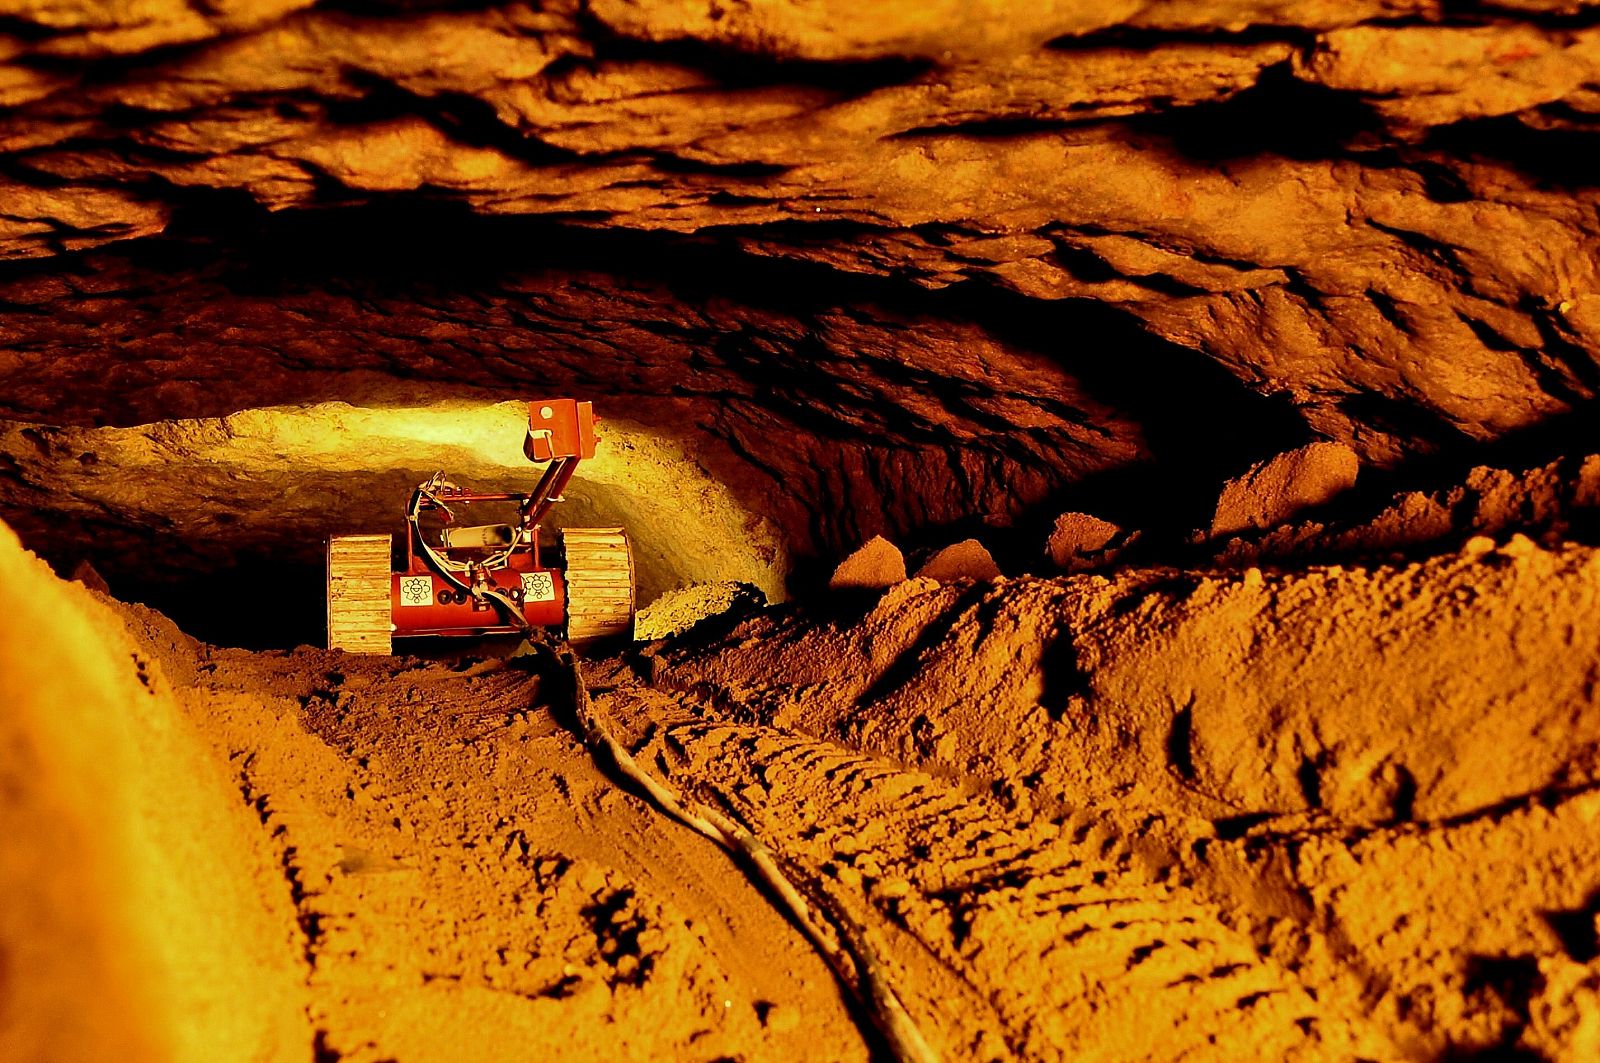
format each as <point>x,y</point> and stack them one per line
<point>487,579</point>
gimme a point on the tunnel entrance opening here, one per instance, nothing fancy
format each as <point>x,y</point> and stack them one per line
<point>807,410</point>
<point>222,523</point>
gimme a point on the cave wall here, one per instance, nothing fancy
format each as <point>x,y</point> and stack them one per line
<point>835,407</point>
<point>1388,192</point>
<point>137,879</point>
<point>898,269</point>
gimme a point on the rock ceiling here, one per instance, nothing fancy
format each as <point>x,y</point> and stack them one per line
<point>1039,242</point>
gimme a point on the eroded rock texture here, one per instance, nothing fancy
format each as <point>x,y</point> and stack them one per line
<point>1368,221</point>
<point>838,408</point>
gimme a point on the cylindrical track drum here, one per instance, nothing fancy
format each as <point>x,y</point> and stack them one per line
<point>358,593</point>
<point>600,584</point>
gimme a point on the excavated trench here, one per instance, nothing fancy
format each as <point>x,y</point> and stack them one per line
<point>1115,498</point>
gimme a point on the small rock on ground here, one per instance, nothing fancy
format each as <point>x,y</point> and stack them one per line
<point>876,564</point>
<point>1274,490</point>
<point>1079,541</point>
<point>964,560</point>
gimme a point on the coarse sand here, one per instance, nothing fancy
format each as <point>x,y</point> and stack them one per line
<point>1327,813</point>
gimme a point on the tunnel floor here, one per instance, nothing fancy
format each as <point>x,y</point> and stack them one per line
<point>1218,815</point>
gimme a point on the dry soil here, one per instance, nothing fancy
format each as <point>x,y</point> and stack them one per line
<point>1329,813</point>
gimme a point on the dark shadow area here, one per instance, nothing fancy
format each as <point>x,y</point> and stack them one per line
<point>1513,981</point>
<point>1555,158</point>
<point>259,603</point>
<point>1063,679</point>
<point>1279,115</point>
<point>1144,39</point>
<point>1577,929</point>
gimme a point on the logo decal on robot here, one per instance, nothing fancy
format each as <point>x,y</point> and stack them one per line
<point>416,590</point>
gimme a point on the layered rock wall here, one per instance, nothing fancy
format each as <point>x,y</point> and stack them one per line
<point>1374,209</point>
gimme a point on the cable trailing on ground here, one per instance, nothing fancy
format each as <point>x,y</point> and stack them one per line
<point>838,937</point>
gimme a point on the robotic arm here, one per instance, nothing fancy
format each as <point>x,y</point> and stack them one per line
<point>561,432</point>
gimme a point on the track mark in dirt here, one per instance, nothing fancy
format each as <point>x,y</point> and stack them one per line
<point>467,883</point>
<point>1010,937</point>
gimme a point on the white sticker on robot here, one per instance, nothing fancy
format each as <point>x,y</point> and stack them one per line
<point>538,587</point>
<point>416,590</point>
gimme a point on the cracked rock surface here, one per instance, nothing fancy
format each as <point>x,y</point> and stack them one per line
<point>1372,211</point>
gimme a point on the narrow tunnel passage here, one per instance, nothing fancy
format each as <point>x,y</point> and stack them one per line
<point>1115,498</point>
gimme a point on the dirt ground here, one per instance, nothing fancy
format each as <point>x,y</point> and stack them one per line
<point>1337,813</point>
<point>467,884</point>
<point>1329,813</point>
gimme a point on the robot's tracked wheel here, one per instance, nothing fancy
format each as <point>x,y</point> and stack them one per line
<point>600,588</point>
<point>358,594</point>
